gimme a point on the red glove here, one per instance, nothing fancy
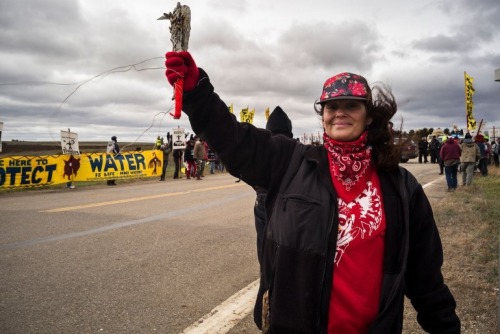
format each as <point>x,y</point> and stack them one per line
<point>181,65</point>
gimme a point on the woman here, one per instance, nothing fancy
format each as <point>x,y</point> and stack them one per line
<point>349,233</point>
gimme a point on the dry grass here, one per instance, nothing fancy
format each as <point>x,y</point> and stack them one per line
<point>468,223</point>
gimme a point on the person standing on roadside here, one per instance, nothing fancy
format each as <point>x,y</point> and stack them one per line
<point>495,148</point>
<point>450,154</point>
<point>166,148</point>
<point>200,154</point>
<point>423,147</point>
<point>483,160</point>
<point>440,161</point>
<point>113,149</point>
<point>487,147</point>
<point>434,150</point>
<point>349,232</point>
<point>211,159</point>
<point>279,124</point>
<point>189,158</point>
<point>470,154</point>
<point>177,155</point>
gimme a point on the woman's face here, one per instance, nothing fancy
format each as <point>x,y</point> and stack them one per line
<point>345,120</point>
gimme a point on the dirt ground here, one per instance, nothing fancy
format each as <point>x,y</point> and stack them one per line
<point>469,273</point>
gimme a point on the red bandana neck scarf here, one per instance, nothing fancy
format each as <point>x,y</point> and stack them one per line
<point>349,163</point>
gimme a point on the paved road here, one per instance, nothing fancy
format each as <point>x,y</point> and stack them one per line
<point>146,257</point>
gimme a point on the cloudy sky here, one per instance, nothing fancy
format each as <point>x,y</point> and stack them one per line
<point>97,67</point>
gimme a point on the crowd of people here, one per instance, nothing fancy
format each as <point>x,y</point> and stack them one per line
<point>192,160</point>
<point>473,155</point>
<point>454,155</point>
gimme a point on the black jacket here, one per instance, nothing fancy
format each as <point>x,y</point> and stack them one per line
<point>300,237</point>
<point>423,146</point>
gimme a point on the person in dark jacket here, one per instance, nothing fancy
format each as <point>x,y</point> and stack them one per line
<point>166,148</point>
<point>434,149</point>
<point>189,158</point>
<point>349,233</point>
<point>440,161</point>
<point>113,149</point>
<point>423,148</point>
<point>279,124</point>
<point>483,161</point>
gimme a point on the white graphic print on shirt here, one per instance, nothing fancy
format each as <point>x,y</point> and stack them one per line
<point>356,219</point>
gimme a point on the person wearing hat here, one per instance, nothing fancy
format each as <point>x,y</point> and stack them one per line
<point>279,124</point>
<point>349,232</point>
<point>114,149</point>
<point>470,154</point>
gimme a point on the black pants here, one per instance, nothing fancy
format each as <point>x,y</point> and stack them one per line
<point>434,156</point>
<point>177,163</point>
<point>483,166</point>
<point>164,170</point>
<point>420,155</point>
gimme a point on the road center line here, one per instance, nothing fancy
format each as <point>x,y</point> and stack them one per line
<point>136,199</point>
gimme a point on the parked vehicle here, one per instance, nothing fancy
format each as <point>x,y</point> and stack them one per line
<point>408,148</point>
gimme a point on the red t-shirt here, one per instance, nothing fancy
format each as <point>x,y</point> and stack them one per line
<point>358,264</point>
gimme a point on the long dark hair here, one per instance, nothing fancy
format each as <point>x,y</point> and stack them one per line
<point>381,107</point>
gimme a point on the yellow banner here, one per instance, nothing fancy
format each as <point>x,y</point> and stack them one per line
<point>246,115</point>
<point>33,171</point>
<point>469,104</point>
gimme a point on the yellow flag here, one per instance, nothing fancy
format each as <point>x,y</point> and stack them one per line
<point>243,114</point>
<point>469,104</point>
<point>246,115</point>
<point>230,107</point>
<point>267,114</point>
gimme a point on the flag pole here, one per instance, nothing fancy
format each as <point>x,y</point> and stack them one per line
<point>465,97</point>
